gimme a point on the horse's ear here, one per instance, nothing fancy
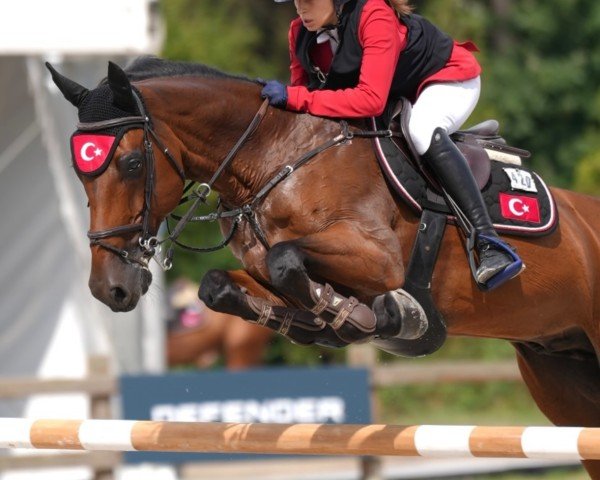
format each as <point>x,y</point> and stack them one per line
<point>71,90</point>
<point>121,88</point>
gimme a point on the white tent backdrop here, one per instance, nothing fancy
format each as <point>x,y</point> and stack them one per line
<point>49,321</point>
<point>73,27</point>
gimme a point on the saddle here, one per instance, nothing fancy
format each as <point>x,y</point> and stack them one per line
<point>518,200</point>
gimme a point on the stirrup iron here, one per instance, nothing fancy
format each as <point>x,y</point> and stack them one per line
<point>509,272</point>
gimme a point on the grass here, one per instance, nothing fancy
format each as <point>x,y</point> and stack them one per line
<point>492,403</point>
<point>576,473</point>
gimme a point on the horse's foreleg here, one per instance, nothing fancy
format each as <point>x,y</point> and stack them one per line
<point>237,293</point>
<point>364,266</point>
<point>351,320</point>
<point>565,389</point>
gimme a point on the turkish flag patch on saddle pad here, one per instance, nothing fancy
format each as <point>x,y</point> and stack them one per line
<point>519,201</point>
<point>517,207</point>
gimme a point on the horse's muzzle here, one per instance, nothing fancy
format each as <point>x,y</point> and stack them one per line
<point>122,288</point>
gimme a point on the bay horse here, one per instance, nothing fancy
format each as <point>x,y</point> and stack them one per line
<point>322,243</point>
<point>198,336</point>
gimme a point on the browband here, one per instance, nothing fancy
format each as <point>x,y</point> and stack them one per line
<point>115,122</point>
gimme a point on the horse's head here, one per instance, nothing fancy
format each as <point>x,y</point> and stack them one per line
<point>132,181</point>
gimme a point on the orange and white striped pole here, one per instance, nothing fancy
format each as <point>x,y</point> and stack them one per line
<point>299,439</point>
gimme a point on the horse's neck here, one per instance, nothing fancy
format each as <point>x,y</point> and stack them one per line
<point>206,117</point>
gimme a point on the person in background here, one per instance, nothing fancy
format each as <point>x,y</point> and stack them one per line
<point>199,336</point>
<point>358,58</point>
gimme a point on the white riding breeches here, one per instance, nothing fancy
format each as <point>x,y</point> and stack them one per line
<point>445,105</point>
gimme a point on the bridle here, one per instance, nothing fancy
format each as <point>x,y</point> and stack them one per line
<point>149,243</point>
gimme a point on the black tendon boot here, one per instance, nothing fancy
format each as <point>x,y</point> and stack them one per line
<point>497,260</point>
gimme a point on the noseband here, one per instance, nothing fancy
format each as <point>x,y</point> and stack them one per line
<point>147,241</point>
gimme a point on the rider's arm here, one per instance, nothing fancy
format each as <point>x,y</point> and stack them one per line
<point>382,37</point>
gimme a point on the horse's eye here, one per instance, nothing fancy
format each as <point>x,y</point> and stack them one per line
<point>134,164</point>
<point>130,164</point>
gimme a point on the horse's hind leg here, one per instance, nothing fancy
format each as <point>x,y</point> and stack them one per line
<point>237,293</point>
<point>566,390</point>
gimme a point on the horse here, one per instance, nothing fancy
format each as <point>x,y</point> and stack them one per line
<point>323,240</point>
<point>198,336</point>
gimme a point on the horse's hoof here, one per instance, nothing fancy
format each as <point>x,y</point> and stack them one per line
<point>398,307</point>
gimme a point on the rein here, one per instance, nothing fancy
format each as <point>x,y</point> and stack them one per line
<point>248,211</point>
<point>150,244</point>
<point>203,190</point>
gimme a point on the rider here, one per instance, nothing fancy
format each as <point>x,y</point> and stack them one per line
<point>355,58</point>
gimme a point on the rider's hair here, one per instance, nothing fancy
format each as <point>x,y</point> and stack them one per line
<point>402,7</point>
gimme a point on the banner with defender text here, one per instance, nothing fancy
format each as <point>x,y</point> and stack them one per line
<point>273,395</point>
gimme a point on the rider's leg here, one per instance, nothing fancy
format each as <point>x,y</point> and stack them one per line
<point>451,169</point>
<point>442,109</point>
<point>445,105</point>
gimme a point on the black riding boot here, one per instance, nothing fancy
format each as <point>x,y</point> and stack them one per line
<point>497,261</point>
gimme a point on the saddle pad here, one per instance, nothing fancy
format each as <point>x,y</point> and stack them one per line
<point>518,200</point>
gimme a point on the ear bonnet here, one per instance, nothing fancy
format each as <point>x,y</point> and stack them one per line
<point>94,142</point>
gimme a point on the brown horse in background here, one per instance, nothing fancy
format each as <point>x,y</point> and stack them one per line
<point>200,336</point>
<point>336,240</point>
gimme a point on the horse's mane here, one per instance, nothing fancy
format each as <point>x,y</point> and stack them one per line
<point>148,66</point>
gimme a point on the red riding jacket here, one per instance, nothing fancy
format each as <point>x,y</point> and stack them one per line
<point>382,38</point>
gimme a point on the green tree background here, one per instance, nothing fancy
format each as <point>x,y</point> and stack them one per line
<point>541,74</point>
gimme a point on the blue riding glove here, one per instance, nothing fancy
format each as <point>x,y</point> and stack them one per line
<point>276,92</point>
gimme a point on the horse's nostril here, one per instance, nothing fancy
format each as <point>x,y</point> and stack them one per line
<point>119,294</point>
<point>146,280</point>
